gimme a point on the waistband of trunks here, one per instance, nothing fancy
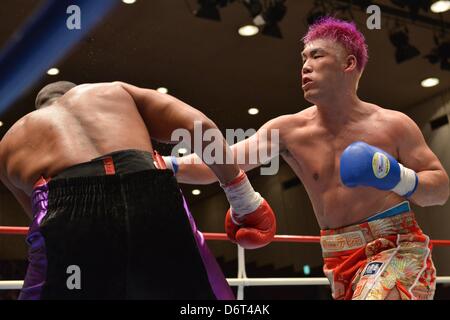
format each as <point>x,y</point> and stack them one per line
<point>119,162</point>
<point>356,236</point>
<point>111,184</point>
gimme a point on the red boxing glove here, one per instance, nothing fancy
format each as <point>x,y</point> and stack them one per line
<point>256,230</point>
<point>250,221</point>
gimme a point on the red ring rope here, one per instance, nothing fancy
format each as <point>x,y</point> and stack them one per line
<point>223,236</point>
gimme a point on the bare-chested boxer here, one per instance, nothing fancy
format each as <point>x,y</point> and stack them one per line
<point>345,151</point>
<point>83,167</point>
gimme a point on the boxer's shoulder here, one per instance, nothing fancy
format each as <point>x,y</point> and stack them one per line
<point>299,119</point>
<point>17,129</point>
<point>395,121</point>
<point>387,114</point>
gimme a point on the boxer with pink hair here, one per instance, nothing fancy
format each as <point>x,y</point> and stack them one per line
<point>361,165</point>
<point>343,33</point>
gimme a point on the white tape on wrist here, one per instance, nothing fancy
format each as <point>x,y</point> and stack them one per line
<point>242,197</point>
<point>171,163</point>
<point>408,182</point>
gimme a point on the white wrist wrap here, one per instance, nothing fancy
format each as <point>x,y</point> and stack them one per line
<point>242,197</point>
<point>408,181</point>
<point>168,160</point>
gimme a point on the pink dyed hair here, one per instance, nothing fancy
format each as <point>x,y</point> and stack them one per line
<point>343,32</point>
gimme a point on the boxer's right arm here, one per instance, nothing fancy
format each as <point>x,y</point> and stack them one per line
<point>253,224</point>
<point>192,171</point>
<point>248,154</point>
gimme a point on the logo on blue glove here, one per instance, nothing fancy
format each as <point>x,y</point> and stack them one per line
<point>380,165</point>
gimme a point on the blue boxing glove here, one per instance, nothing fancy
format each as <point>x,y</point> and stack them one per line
<point>364,165</point>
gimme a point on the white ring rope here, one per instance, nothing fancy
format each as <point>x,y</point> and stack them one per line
<point>247,282</point>
<point>241,281</point>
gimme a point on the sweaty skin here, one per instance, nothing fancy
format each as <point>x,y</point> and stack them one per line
<point>316,160</point>
<point>313,140</point>
<point>87,122</point>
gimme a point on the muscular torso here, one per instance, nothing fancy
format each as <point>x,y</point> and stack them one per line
<point>313,150</point>
<point>87,122</point>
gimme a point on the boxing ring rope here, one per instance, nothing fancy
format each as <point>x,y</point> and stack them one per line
<point>242,280</point>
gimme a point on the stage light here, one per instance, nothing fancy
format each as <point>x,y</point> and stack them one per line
<point>269,18</point>
<point>403,49</point>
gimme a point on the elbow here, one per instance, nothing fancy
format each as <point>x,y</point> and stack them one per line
<point>445,191</point>
<point>436,199</point>
<point>445,195</point>
<point>439,200</point>
<point>197,128</point>
<point>201,121</point>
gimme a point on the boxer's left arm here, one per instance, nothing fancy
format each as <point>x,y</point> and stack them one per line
<point>164,114</point>
<point>250,220</point>
<point>414,153</point>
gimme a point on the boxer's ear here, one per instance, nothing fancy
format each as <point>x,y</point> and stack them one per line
<point>350,64</point>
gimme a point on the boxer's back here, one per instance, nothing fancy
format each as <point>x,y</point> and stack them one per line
<point>88,121</point>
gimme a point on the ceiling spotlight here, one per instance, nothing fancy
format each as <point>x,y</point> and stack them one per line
<point>440,6</point>
<point>53,72</point>
<point>1,124</point>
<point>196,192</point>
<point>429,82</point>
<point>441,53</point>
<point>318,11</point>
<point>403,49</point>
<point>129,1</point>
<point>162,90</point>
<point>208,10</point>
<point>248,31</point>
<point>413,5</point>
<point>270,16</point>
<point>254,7</point>
<point>253,111</point>
<point>272,30</point>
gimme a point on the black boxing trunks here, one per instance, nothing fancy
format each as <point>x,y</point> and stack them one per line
<point>117,228</point>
